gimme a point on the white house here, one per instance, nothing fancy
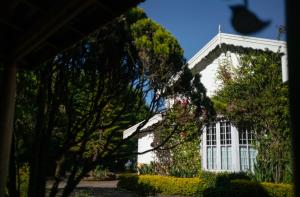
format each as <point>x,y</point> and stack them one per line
<point>223,147</point>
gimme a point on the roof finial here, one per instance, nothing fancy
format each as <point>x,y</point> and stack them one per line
<point>219,36</point>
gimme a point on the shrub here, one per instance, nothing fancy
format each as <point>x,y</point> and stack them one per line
<point>219,185</point>
<point>148,169</point>
<point>212,179</point>
<point>246,188</point>
<point>128,181</point>
<point>151,184</point>
<point>284,190</point>
<point>101,174</point>
<point>24,179</point>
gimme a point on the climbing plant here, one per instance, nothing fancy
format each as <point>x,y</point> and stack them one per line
<point>254,94</point>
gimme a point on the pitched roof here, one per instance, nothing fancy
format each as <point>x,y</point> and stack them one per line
<point>223,41</point>
<point>154,119</point>
<point>32,31</point>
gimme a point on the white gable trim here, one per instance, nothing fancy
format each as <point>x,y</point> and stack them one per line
<point>243,41</point>
<point>128,132</point>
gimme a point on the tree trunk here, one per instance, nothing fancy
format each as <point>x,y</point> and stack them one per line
<point>12,171</point>
<point>37,179</point>
<point>60,171</point>
<point>7,108</point>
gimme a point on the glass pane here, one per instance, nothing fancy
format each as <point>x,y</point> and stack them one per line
<point>229,160</point>
<point>225,133</point>
<point>244,159</point>
<point>214,160</point>
<point>226,157</point>
<point>209,158</point>
<point>252,155</point>
<point>223,158</point>
<point>242,136</point>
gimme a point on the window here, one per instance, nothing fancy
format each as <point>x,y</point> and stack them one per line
<point>211,143</point>
<point>225,137</point>
<point>244,158</point>
<point>247,151</point>
<point>211,158</point>
<point>211,134</point>
<point>226,157</point>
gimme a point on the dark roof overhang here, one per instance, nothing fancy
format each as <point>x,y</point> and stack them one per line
<point>31,31</point>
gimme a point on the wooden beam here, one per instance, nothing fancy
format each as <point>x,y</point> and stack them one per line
<point>54,20</point>
<point>44,11</point>
<point>7,109</point>
<point>7,7</point>
<point>11,25</point>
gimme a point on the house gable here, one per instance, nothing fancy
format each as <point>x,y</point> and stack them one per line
<point>223,42</point>
<point>206,63</point>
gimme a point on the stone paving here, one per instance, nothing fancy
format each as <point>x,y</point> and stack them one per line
<point>103,189</point>
<point>99,189</point>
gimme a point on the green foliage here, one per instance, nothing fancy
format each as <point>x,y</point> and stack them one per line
<point>254,95</point>
<point>100,174</point>
<point>147,169</point>
<point>180,155</point>
<point>186,160</point>
<point>72,112</point>
<point>151,184</point>
<point>160,54</point>
<point>213,179</point>
<point>275,190</point>
<point>246,188</point>
<point>23,180</point>
<point>83,193</point>
<point>208,185</point>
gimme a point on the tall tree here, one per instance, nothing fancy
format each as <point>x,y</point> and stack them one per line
<point>87,95</point>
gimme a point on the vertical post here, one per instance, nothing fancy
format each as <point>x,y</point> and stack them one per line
<point>293,43</point>
<point>218,146</point>
<point>7,108</point>
<point>235,149</point>
<point>204,149</point>
<point>219,36</point>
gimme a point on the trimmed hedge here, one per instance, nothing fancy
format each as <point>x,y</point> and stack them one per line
<point>246,188</point>
<point>213,179</point>
<point>284,190</point>
<point>151,184</point>
<point>227,186</point>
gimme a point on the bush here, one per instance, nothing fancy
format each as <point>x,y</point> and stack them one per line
<point>212,179</point>
<point>128,181</point>
<point>284,190</point>
<point>151,184</point>
<point>218,185</point>
<point>102,174</point>
<point>24,179</point>
<point>147,169</point>
<point>246,188</point>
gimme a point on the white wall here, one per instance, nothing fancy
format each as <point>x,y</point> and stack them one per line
<point>209,78</point>
<point>209,74</point>
<point>144,144</point>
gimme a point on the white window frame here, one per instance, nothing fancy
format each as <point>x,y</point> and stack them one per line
<point>226,145</point>
<point>246,142</point>
<point>211,144</point>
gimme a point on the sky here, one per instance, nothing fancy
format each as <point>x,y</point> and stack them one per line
<point>195,22</point>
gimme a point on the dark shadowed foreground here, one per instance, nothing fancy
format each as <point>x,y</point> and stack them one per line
<point>101,189</point>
